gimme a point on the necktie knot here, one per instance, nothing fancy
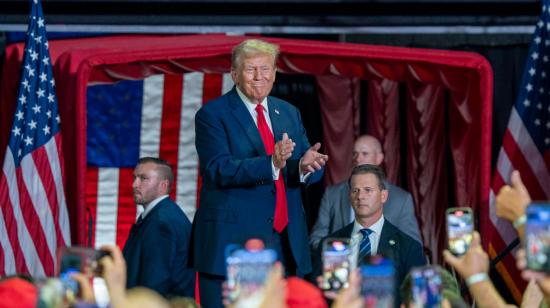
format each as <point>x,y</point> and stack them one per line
<point>259,109</point>
<point>366,232</point>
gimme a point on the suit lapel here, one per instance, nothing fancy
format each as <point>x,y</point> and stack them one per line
<point>277,120</point>
<point>243,116</point>
<point>388,240</point>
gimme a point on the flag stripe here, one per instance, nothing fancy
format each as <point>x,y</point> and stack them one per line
<point>18,234</point>
<point>227,83</point>
<point>151,116</point>
<point>530,151</point>
<point>37,261</point>
<point>187,157</point>
<point>52,151</point>
<point>126,205</point>
<point>520,162</point>
<point>48,191</point>
<point>212,86</point>
<point>92,175</point>
<point>170,125</point>
<point>107,206</point>
<point>38,196</point>
<point>7,259</point>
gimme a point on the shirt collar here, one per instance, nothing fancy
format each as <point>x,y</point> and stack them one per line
<point>375,227</point>
<point>249,104</point>
<point>149,207</point>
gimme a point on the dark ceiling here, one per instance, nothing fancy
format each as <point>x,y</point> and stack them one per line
<point>305,13</point>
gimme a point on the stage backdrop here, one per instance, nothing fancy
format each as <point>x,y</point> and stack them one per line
<point>431,108</point>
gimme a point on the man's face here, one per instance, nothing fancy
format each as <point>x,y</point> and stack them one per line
<point>147,183</point>
<point>364,153</point>
<point>255,77</point>
<point>366,196</point>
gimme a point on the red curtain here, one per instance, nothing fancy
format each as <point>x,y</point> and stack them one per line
<point>442,133</point>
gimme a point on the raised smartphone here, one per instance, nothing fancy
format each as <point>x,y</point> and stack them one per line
<point>336,263</point>
<point>247,272</point>
<point>460,228</point>
<point>77,259</point>
<point>378,282</point>
<point>537,236</point>
<point>426,287</point>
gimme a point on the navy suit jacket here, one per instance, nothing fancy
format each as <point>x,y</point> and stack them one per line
<point>335,212</point>
<point>405,252</point>
<point>157,250</point>
<point>237,201</point>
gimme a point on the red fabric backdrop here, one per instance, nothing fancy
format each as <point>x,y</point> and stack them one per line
<point>448,107</point>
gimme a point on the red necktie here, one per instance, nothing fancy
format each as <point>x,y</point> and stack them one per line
<point>281,211</point>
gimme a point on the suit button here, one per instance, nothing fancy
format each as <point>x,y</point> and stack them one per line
<point>270,220</point>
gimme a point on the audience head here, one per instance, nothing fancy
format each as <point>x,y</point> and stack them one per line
<point>367,193</point>
<point>367,150</point>
<point>183,302</point>
<point>152,178</point>
<point>17,292</point>
<point>253,68</point>
<point>140,297</point>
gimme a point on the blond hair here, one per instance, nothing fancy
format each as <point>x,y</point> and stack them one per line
<point>253,47</point>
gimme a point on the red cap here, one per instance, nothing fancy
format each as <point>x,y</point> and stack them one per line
<point>17,292</point>
<point>300,293</point>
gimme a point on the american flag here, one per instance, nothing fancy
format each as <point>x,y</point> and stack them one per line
<point>33,217</point>
<point>136,118</point>
<point>525,145</point>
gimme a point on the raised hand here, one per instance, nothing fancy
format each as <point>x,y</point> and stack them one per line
<point>283,151</point>
<point>313,160</point>
<point>512,200</point>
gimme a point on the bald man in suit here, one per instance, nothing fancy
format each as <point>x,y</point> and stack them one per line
<point>336,212</point>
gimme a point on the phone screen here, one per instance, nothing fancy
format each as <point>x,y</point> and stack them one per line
<point>537,235</point>
<point>336,263</point>
<point>460,228</point>
<point>426,287</point>
<point>76,259</point>
<point>247,272</point>
<point>378,282</point>
<point>69,263</point>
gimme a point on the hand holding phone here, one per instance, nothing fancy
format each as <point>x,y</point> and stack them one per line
<point>537,236</point>
<point>336,263</point>
<point>460,227</point>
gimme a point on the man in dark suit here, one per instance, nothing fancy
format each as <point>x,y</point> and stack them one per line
<point>370,232</point>
<point>336,212</point>
<point>254,155</point>
<point>156,251</point>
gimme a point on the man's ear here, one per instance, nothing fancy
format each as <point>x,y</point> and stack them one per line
<point>234,75</point>
<point>379,158</point>
<point>165,185</point>
<point>384,195</point>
